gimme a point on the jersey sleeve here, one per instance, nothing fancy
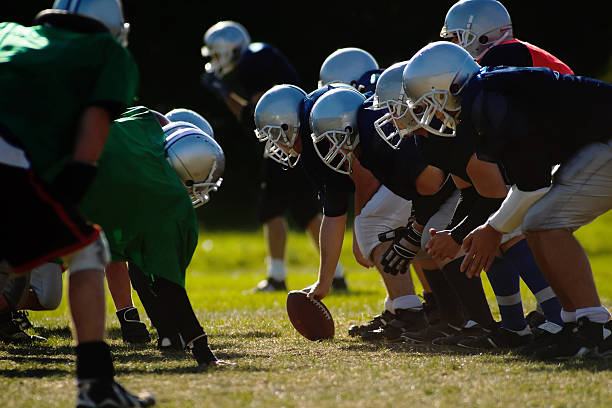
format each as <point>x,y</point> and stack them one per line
<point>117,81</point>
<point>512,54</point>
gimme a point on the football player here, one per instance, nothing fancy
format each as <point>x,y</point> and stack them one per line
<point>282,120</point>
<point>235,63</point>
<point>518,116</point>
<point>81,45</point>
<point>484,29</point>
<point>165,173</point>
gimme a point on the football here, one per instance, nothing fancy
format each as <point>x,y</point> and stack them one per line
<point>310,317</point>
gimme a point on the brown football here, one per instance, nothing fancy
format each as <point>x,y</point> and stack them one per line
<point>310,317</point>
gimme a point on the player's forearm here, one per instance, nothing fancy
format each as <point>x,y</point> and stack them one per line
<point>331,239</point>
<point>92,135</point>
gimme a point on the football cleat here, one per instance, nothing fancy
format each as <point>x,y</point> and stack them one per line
<point>604,349</point>
<point>20,317</point>
<point>574,341</point>
<point>10,332</point>
<point>434,331</point>
<point>270,285</point>
<point>132,329</point>
<point>405,320</point>
<point>100,393</point>
<point>543,336</point>
<point>377,322</point>
<point>535,318</point>
<point>499,338</point>
<point>470,329</point>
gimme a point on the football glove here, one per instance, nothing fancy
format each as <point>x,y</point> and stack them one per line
<point>406,243</point>
<point>214,84</point>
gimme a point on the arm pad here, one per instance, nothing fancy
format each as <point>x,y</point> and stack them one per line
<point>512,211</point>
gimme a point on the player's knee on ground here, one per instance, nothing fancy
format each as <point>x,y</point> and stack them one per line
<point>46,282</point>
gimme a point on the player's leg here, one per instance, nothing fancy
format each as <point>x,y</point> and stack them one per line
<point>581,191</point>
<point>383,212</point>
<point>120,288</point>
<point>168,335</point>
<point>179,306</point>
<point>61,232</point>
<point>429,300</point>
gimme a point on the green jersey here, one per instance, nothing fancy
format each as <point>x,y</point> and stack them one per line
<point>48,76</point>
<point>139,200</point>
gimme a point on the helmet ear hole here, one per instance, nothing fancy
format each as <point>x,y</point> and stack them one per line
<point>285,127</point>
<point>454,88</point>
<point>483,39</point>
<point>189,183</point>
<point>349,130</point>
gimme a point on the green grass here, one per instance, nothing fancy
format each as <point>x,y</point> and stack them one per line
<point>277,367</point>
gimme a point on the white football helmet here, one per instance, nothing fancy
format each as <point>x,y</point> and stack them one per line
<point>197,159</point>
<point>477,25</point>
<point>335,133</point>
<point>433,80</point>
<point>224,44</point>
<point>389,94</point>
<point>277,122</point>
<point>189,116</point>
<point>108,12</point>
<point>346,65</point>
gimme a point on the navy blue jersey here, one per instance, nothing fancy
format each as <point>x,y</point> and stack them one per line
<point>532,118</point>
<point>334,188</point>
<point>396,169</point>
<point>449,154</point>
<point>261,67</point>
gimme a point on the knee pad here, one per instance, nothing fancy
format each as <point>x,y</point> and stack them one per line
<point>95,256</point>
<point>46,282</point>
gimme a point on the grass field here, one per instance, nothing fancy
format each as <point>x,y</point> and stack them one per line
<point>278,368</point>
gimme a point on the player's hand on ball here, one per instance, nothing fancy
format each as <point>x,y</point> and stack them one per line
<point>317,290</point>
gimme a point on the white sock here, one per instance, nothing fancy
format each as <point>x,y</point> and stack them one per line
<point>568,317</point>
<point>407,302</point>
<point>339,273</point>
<point>597,314</point>
<point>276,268</point>
<point>389,305</point>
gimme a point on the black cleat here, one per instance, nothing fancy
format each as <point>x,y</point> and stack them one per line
<point>604,349</point>
<point>132,329</point>
<point>543,336</point>
<point>20,317</point>
<point>10,332</point>
<point>270,285</point>
<point>535,318</point>
<point>430,333</point>
<point>405,320</point>
<point>470,329</point>
<point>499,338</point>
<point>574,341</point>
<point>377,322</point>
<point>339,284</point>
<point>109,394</point>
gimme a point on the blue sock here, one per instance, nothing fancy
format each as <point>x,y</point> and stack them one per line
<point>521,257</point>
<point>505,282</point>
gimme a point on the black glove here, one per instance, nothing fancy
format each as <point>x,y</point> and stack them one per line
<point>214,84</point>
<point>406,244</point>
<point>74,180</point>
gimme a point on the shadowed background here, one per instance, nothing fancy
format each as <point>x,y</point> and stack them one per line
<point>166,37</point>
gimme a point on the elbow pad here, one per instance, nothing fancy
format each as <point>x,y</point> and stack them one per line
<point>513,209</point>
